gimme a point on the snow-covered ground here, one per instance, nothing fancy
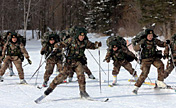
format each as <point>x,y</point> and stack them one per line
<point>65,95</point>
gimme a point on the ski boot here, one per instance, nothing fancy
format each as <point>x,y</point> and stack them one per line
<point>45,84</point>
<point>84,94</point>
<point>161,85</point>
<point>48,91</point>
<point>23,81</point>
<point>135,90</point>
<point>1,79</point>
<point>11,72</point>
<point>114,80</point>
<point>91,76</point>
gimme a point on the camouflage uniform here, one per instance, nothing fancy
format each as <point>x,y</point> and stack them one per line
<point>74,61</point>
<point>14,53</point>
<point>86,70</point>
<point>149,56</point>
<point>170,65</point>
<point>54,59</point>
<point>120,58</point>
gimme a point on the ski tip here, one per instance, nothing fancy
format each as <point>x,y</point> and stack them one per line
<point>110,85</point>
<point>106,100</point>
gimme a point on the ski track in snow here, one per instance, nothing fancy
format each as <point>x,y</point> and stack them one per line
<point>66,95</point>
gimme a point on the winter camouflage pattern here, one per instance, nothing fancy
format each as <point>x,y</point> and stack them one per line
<point>55,59</point>
<point>74,61</point>
<point>120,59</point>
<point>14,55</point>
<point>149,57</point>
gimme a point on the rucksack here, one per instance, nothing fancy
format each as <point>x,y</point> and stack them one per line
<point>22,39</point>
<point>117,39</point>
<point>138,37</point>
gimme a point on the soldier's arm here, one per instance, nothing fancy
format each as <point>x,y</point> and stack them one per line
<point>63,44</point>
<point>166,51</point>
<point>24,51</point>
<point>127,51</point>
<point>160,43</point>
<point>138,46</point>
<point>4,49</point>
<point>91,45</point>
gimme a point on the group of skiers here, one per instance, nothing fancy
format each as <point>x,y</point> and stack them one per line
<point>67,52</point>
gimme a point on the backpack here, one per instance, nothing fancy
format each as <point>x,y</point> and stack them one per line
<point>22,39</point>
<point>116,39</point>
<point>138,37</point>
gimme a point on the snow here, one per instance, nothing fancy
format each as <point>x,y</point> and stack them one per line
<point>65,95</point>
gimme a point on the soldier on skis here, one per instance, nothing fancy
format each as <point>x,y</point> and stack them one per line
<point>76,47</point>
<point>14,51</point>
<point>150,55</point>
<point>170,53</point>
<point>121,56</point>
<point>55,58</point>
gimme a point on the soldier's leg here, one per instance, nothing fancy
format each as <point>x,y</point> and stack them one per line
<point>81,80</point>
<point>18,65</point>
<point>145,71</point>
<point>71,73</point>
<point>4,67</point>
<point>11,69</point>
<point>128,67</point>
<point>115,72</point>
<point>88,72</point>
<point>169,69</point>
<point>49,70</point>
<point>58,80</point>
<point>160,68</point>
<point>59,66</point>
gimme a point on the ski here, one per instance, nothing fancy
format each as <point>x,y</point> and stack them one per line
<point>148,83</point>
<point>91,99</point>
<point>40,98</point>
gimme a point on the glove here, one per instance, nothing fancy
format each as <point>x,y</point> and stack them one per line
<point>42,52</point>
<point>142,45</point>
<point>99,44</point>
<point>136,58</point>
<point>29,61</point>
<point>107,60</point>
<point>167,41</point>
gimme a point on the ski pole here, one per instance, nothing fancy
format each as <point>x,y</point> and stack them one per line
<point>38,71</point>
<point>96,62</point>
<point>108,74</point>
<point>99,69</point>
<point>40,66</point>
<point>25,64</point>
<point>171,56</point>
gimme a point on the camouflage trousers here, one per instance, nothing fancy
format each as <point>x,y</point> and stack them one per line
<point>86,70</point>
<point>18,64</point>
<point>127,65</point>
<point>145,67</point>
<point>49,69</point>
<point>169,68</point>
<point>78,68</point>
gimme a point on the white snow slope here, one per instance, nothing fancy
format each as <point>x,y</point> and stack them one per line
<point>13,95</point>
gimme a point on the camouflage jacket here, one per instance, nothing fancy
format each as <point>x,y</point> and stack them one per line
<point>14,50</point>
<point>49,48</point>
<point>149,50</point>
<point>119,55</point>
<point>75,48</point>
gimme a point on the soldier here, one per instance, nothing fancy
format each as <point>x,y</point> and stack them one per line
<point>54,58</point>
<point>14,51</point>
<point>76,47</point>
<point>150,55</point>
<point>171,57</point>
<point>121,57</point>
<point>7,37</point>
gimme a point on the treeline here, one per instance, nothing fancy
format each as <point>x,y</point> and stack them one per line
<point>123,17</point>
